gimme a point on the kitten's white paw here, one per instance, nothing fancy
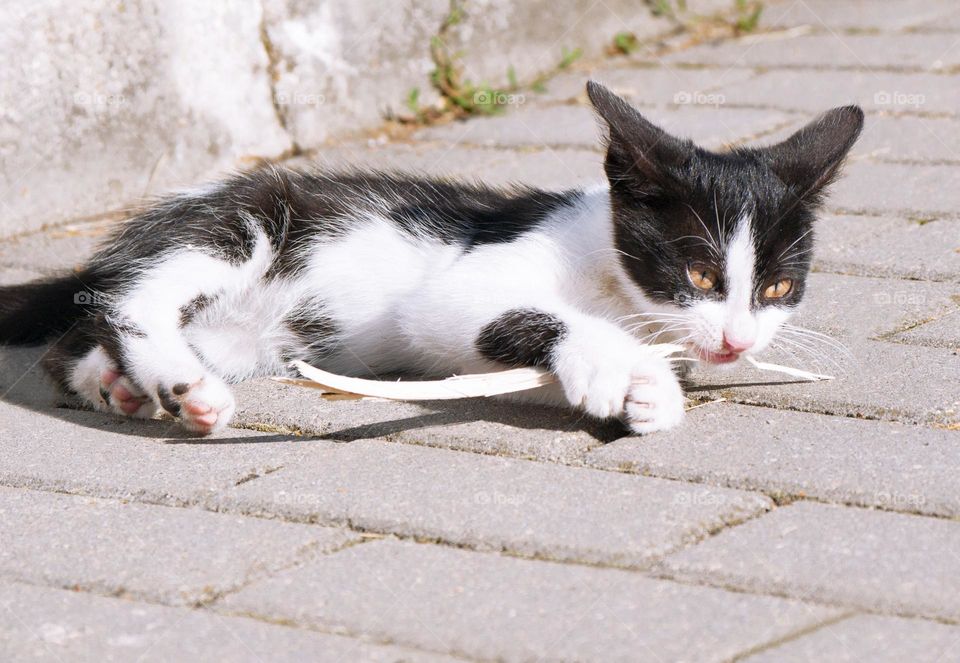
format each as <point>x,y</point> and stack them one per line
<point>622,381</point>
<point>97,380</point>
<point>204,406</point>
<point>655,400</point>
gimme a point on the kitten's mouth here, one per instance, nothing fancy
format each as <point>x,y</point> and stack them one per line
<point>724,357</point>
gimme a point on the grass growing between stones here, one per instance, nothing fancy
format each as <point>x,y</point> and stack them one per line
<point>459,96</point>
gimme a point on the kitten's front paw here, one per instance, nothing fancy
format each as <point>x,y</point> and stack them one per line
<point>638,387</point>
<point>204,406</point>
<point>655,400</point>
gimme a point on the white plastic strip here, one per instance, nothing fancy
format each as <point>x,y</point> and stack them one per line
<point>340,387</point>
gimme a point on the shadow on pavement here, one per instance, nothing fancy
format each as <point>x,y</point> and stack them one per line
<point>23,383</point>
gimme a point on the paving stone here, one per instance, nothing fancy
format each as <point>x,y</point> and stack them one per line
<point>910,138</point>
<point>493,607</point>
<point>835,459</point>
<point>947,23</point>
<point>941,333</point>
<point>932,52</point>
<point>15,275</point>
<point>874,90</point>
<point>44,624</point>
<point>888,247</point>
<point>912,191</point>
<point>550,168</point>
<point>576,125</point>
<point>886,381</point>
<point>857,14</point>
<point>51,251</point>
<point>164,554</point>
<point>854,307</point>
<point>869,638</point>
<point>655,83</point>
<point>103,455</point>
<point>890,562</point>
<point>480,501</point>
<point>568,125</point>
<point>482,425</point>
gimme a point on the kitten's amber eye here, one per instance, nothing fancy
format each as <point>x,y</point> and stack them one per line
<point>702,276</point>
<point>778,289</point>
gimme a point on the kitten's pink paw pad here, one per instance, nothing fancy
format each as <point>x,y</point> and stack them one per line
<point>120,395</point>
<point>203,407</point>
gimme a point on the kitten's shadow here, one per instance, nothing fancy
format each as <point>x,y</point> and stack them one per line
<point>522,416</point>
<point>23,384</point>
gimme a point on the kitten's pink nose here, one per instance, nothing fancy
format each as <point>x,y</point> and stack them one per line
<point>737,344</point>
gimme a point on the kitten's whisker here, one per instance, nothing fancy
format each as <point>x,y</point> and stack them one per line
<point>815,335</point>
<point>661,330</point>
<point>796,241</point>
<point>659,316</point>
<point>815,353</point>
<point>813,340</point>
<point>652,337</point>
<point>715,246</point>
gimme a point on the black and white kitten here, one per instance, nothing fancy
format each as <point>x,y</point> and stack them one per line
<point>371,273</point>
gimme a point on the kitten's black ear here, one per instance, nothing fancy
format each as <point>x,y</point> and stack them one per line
<point>810,159</point>
<point>638,152</point>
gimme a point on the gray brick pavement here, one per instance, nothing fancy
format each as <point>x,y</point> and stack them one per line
<point>523,507</point>
<point>933,52</point>
<point>161,554</point>
<point>153,461</point>
<point>484,426</point>
<point>861,245</point>
<point>493,607</point>
<point>43,624</point>
<point>891,562</point>
<point>860,15</point>
<point>801,455</point>
<point>869,638</point>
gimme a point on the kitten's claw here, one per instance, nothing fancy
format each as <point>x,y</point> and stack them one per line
<point>204,406</point>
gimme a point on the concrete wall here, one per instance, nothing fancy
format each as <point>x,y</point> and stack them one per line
<point>105,101</point>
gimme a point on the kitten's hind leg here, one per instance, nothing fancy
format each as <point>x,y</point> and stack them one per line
<point>156,356</point>
<point>81,366</point>
<point>148,343</point>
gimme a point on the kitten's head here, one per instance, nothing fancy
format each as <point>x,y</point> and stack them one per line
<point>718,245</point>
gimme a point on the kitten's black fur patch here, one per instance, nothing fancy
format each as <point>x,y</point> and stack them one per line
<point>109,330</point>
<point>472,216</point>
<point>30,313</point>
<point>62,356</point>
<point>195,307</point>
<point>167,401</point>
<point>521,337</point>
<point>315,332</point>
